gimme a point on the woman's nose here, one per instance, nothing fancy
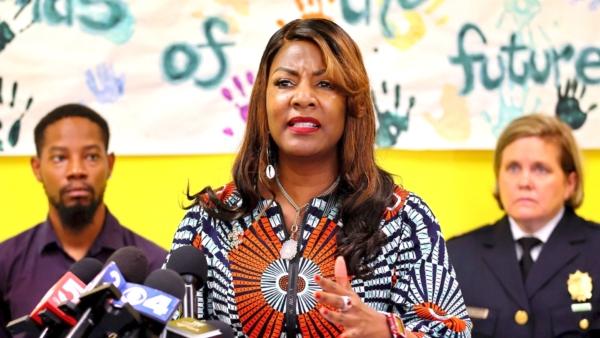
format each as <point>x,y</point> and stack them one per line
<point>304,96</point>
<point>524,179</point>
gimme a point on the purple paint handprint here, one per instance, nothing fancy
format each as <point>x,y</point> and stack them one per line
<point>592,5</point>
<point>239,97</point>
<point>106,86</point>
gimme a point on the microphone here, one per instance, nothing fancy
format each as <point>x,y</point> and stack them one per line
<point>164,289</point>
<point>191,264</point>
<point>127,263</point>
<point>130,263</point>
<point>47,317</point>
<point>154,303</point>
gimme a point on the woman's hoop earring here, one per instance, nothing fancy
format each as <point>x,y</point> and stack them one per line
<point>270,170</point>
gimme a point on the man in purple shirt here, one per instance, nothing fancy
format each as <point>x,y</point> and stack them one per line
<point>73,164</point>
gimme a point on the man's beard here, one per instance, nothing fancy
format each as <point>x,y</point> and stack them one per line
<point>78,216</point>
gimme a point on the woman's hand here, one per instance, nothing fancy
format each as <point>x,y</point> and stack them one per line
<point>358,319</point>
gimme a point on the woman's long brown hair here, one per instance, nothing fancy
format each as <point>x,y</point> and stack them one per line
<point>365,189</point>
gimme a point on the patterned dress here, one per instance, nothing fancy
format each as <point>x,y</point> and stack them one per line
<point>249,285</point>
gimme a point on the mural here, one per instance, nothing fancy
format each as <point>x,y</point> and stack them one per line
<point>176,78</point>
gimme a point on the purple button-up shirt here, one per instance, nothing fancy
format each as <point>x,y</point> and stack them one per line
<point>31,262</point>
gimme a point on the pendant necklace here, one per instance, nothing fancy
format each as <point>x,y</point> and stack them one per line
<point>289,249</point>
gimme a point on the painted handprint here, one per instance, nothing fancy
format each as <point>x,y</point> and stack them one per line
<point>8,112</point>
<point>309,9</point>
<point>239,97</point>
<point>455,122</point>
<point>405,30</point>
<point>106,86</point>
<point>391,123</point>
<point>592,5</point>
<point>510,107</point>
<point>522,12</point>
<point>15,24</point>
<point>567,107</point>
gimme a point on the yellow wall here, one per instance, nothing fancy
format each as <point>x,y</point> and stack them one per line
<point>146,192</point>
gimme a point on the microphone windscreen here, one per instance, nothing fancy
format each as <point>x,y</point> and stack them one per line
<point>86,269</point>
<point>187,260</point>
<point>132,263</point>
<point>168,281</point>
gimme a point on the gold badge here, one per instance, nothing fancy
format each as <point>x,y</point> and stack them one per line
<point>521,317</point>
<point>584,324</point>
<point>579,285</point>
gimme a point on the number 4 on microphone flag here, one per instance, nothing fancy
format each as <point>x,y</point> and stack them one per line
<point>149,302</point>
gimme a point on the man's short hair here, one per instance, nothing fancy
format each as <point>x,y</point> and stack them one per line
<point>65,111</point>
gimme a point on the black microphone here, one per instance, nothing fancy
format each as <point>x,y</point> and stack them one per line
<point>132,263</point>
<point>191,264</point>
<point>47,318</point>
<point>125,264</point>
<point>86,269</point>
<point>143,310</point>
<point>167,281</point>
<point>154,302</point>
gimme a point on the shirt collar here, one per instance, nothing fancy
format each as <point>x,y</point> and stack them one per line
<point>110,237</point>
<point>47,239</point>
<point>542,234</point>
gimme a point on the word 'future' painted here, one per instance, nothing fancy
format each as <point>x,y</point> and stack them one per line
<point>517,55</point>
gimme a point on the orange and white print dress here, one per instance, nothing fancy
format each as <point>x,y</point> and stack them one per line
<point>259,294</point>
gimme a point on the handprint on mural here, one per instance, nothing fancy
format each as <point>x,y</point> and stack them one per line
<point>9,109</point>
<point>12,25</point>
<point>592,4</point>
<point>510,107</point>
<point>239,97</point>
<point>309,9</point>
<point>106,86</point>
<point>406,31</point>
<point>567,106</point>
<point>390,122</point>
<point>455,122</point>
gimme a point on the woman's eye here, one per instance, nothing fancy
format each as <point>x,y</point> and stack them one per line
<point>325,84</point>
<point>513,168</point>
<point>283,83</point>
<point>540,169</point>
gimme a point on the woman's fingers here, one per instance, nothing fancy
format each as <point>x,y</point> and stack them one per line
<point>336,317</point>
<point>341,273</point>
<point>329,285</point>
<point>343,303</point>
<point>341,282</point>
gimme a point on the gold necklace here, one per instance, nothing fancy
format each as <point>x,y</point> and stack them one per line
<point>289,249</point>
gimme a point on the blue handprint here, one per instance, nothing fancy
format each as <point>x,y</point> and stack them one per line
<point>105,85</point>
<point>15,128</point>
<point>391,123</point>
<point>593,4</point>
<point>509,109</point>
